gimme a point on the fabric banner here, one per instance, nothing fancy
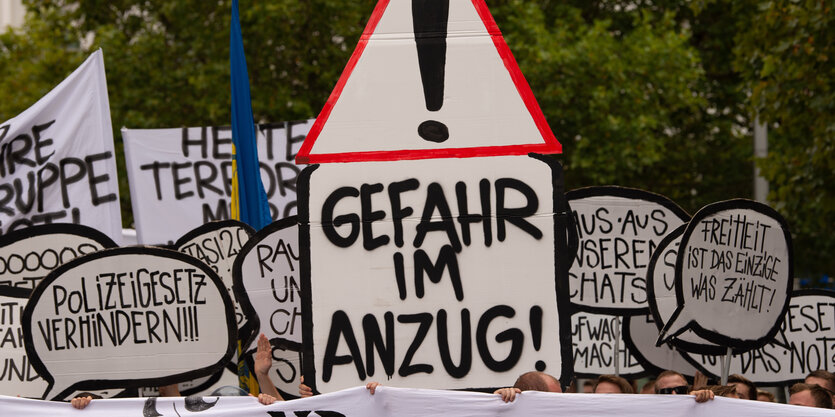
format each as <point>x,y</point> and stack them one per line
<point>186,174</point>
<point>57,162</point>
<point>401,402</point>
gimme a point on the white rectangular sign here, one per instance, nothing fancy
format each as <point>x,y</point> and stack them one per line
<point>181,178</point>
<point>57,162</point>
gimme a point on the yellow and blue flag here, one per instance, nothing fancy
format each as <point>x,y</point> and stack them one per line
<point>249,200</point>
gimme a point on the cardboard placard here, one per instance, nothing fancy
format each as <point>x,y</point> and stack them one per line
<point>595,338</point>
<point>57,161</point>
<point>128,317</point>
<point>268,283</point>
<point>187,174</point>
<point>639,334</point>
<point>619,229</point>
<point>27,255</point>
<point>735,260</point>
<point>17,376</point>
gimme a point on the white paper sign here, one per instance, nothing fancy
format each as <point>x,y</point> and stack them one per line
<point>186,173</point>
<point>735,260</point>
<point>267,281</point>
<point>639,334</point>
<point>128,317</point>
<point>598,341</point>
<point>27,255</point>
<point>619,229</point>
<point>17,376</point>
<point>805,343</point>
<point>436,273</point>
<point>57,162</point>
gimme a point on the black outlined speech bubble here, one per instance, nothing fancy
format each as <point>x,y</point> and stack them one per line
<point>27,255</point>
<point>17,376</point>
<point>618,231</point>
<point>733,275</point>
<point>128,317</point>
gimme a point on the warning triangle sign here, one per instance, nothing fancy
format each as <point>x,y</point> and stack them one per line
<point>429,79</point>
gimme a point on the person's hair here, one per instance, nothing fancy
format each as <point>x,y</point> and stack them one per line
<point>723,390</point>
<point>767,394</point>
<point>623,384</point>
<point>821,397</point>
<point>650,383</point>
<point>827,376</point>
<point>88,394</point>
<point>534,381</point>
<point>752,389</point>
<point>666,374</point>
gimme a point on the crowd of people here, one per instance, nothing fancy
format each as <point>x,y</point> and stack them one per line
<point>817,390</point>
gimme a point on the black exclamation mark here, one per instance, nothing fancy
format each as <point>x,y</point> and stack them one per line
<point>536,333</point>
<point>430,18</point>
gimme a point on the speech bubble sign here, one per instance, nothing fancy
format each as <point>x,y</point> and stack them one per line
<point>735,260</point>
<point>17,376</point>
<point>619,229</point>
<point>595,338</point>
<point>218,244</point>
<point>438,273</point>
<point>661,294</point>
<point>639,334</point>
<point>804,343</point>
<point>128,317</point>
<point>27,255</point>
<point>266,283</point>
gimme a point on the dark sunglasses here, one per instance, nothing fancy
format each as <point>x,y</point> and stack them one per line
<point>680,390</point>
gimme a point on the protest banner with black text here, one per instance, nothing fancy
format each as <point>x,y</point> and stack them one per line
<point>804,343</point>
<point>433,231</point>
<point>128,317</point>
<point>734,260</point>
<point>27,255</point>
<point>267,277</point>
<point>186,173</point>
<point>619,229</point>
<point>57,162</point>
<point>595,338</point>
<point>17,376</point>
<point>403,402</point>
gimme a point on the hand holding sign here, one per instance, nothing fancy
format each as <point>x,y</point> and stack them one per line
<point>128,317</point>
<point>735,261</point>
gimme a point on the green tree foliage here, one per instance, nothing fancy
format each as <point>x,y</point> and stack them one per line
<point>786,58</point>
<point>640,93</point>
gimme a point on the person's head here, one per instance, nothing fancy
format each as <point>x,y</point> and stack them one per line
<point>744,387</point>
<point>671,382</point>
<point>588,387</point>
<point>537,381</point>
<point>825,379</point>
<point>611,384</point>
<point>649,387</point>
<point>728,391</point>
<point>809,396</point>
<point>765,396</point>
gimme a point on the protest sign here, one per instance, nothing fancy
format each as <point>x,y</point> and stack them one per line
<point>57,162</point>
<point>17,376</point>
<point>186,173</point>
<point>437,254</point>
<point>619,229</point>
<point>402,402</point>
<point>128,317</point>
<point>27,255</point>
<point>441,273</point>
<point>661,285</point>
<point>267,283</point>
<point>595,338</point>
<point>804,343</point>
<point>218,244</point>
<point>639,334</point>
<point>735,260</point>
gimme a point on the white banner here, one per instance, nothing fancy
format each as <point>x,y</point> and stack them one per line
<point>57,163</point>
<point>186,173</point>
<point>401,402</point>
